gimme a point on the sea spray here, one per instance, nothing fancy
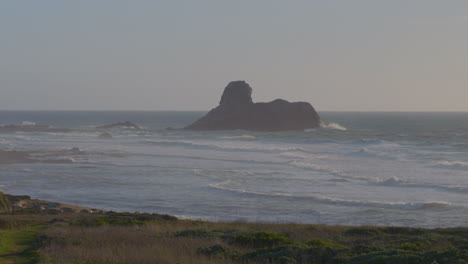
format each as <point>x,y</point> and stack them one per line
<point>332,125</point>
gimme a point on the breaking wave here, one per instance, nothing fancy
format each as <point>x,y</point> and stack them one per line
<point>366,141</point>
<point>452,164</point>
<point>333,126</point>
<point>242,137</point>
<point>370,153</point>
<point>219,174</point>
<point>340,202</point>
<point>395,181</point>
<point>221,147</point>
<point>338,173</point>
<point>294,155</point>
<point>315,167</point>
<point>5,142</point>
<point>28,123</point>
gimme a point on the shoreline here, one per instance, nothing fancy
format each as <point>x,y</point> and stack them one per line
<point>25,203</point>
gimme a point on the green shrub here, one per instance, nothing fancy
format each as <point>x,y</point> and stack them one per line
<point>290,253</point>
<point>403,231</point>
<point>319,243</point>
<point>414,246</point>
<point>198,233</point>
<point>363,249</point>
<point>5,204</point>
<point>218,251</point>
<point>362,232</point>
<point>261,239</point>
<point>286,260</point>
<point>113,218</point>
<point>297,253</point>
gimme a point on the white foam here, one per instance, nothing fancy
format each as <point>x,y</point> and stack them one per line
<point>370,153</point>
<point>392,181</point>
<point>306,165</point>
<point>315,167</point>
<point>366,141</point>
<point>223,147</point>
<point>291,154</point>
<point>242,137</point>
<point>452,164</point>
<point>395,181</point>
<point>5,142</point>
<point>222,174</point>
<point>366,152</point>
<point>333,126</point>
<point>22,137</point>
<point>28,123</point>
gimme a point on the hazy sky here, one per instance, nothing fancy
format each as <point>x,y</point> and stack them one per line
<point>394,55</point>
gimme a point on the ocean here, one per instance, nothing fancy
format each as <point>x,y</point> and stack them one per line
<point>363,168</point>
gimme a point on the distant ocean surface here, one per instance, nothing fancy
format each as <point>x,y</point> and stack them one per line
<point>397,169</point>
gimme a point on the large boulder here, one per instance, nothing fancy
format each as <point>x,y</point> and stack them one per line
<point>236,110</point>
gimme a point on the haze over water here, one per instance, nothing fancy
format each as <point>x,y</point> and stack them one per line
<point>401,169</point>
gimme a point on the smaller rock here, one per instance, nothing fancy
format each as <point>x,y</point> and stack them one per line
<point>76,151</point>
<point>105,135</point>
<point>30,127</point>
<point>126,124</point>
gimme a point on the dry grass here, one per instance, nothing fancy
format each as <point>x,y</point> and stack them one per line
<point>123,244</point>
<point>154,242</point>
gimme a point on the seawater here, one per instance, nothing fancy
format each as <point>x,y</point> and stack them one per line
<point>398,169</point>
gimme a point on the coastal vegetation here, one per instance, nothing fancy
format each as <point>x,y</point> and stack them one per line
<point>32,235</point>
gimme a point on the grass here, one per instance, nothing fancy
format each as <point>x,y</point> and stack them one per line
<point>107,238</point>
<point>5,205</point>
<point>18,245</point>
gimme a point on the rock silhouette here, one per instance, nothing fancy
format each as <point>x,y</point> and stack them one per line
<point>236,110</point>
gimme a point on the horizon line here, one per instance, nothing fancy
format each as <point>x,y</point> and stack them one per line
<point>142,110</point>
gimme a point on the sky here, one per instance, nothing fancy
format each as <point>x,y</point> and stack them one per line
<point>372,55</point>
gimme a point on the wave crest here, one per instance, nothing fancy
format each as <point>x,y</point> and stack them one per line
<point>315,167</point>
<point>242,137</point>
<point>395,181</point>
<point>456,164</point>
